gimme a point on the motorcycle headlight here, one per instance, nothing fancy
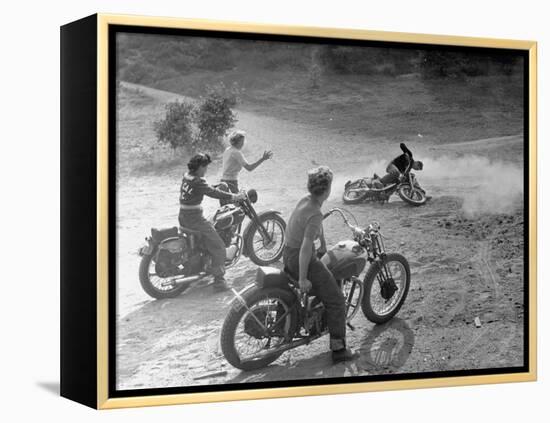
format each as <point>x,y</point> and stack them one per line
<point>252,195</point>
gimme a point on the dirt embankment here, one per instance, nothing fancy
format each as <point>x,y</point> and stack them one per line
<point>465,264</point>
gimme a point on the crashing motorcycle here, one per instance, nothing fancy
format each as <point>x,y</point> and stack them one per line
<point>272,315</point>
<point>174,258</point>
<point>371,189</point>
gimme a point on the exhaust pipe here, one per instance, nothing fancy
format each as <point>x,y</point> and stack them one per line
<point>290,345</point>
<point>181,280</point>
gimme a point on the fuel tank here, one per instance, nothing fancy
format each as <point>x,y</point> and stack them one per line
<point>227,216</point>
<point>345,259</point>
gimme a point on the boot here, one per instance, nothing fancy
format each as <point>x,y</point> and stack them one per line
<point>220,284</point>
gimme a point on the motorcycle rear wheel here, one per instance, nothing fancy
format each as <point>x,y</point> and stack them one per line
<point>413,196</point>
<point>352,197</point>
<point>258,302</point>
<point>152,289</point>
<point>399,268</point>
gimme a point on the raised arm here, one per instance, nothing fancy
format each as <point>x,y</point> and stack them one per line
<point>251,166</point>
<point>406,150</point>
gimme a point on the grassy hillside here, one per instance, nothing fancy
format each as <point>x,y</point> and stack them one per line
<point>378,92</point>
<point>393,108</point>
<point>442,110</point>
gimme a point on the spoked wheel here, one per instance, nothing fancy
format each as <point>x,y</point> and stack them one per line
<point>386,287</point>
<point>412,195</point>
<point>264,250</point>
<point>154,285</point>
<point>252,338</point>
<point>351,195</point>
<point>353,293</point>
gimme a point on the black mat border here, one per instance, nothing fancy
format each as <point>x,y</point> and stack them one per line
<point>114,393</point>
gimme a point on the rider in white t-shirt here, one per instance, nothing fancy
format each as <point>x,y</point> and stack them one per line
<point>234,161</point>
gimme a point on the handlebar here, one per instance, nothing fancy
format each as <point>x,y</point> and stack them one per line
<point>249,196</point>
<point>356,229</point>
<point>353,228</point>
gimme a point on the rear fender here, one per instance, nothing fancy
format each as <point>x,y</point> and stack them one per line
<point>251,225</point>
<point>251,287</point>
<point>173,245</point>
<point>239,294</point>
<point>239,301</point>
<point>147,249</point>
<point>348,183</point>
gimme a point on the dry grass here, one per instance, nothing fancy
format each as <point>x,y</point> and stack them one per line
<point>445,110</point>
<point>386,108</point>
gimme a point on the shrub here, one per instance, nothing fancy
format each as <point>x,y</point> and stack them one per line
<point>199,127</point>
<point>214,117</point>
<point>176,128</point>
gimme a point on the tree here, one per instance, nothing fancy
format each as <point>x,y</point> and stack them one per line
<point>199,127</point>
<point>176,128</point>
<point>215,116</point>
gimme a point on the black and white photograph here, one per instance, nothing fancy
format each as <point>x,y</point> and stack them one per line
<point>292,210</point>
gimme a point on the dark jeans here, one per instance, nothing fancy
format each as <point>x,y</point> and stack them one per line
<point>324,287</point>
<point>391,176</point>
<point>193,219</point>
<point>233,187</point>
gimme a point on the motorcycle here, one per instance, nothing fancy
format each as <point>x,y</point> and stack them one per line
<point>174,258</point>
<point>272,315</point>
<point>370,189</point>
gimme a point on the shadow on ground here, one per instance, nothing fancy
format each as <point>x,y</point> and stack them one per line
<point>50,387</point>
<point>384,349</point>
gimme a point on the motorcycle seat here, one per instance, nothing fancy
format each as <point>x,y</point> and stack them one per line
<point>159,235</point>
<point>271,276</point>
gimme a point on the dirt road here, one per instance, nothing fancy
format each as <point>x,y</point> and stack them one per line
<point>465,251</point>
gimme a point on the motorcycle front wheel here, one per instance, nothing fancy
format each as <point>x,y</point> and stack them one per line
<point>381,302</point>
<point>414,196</point>
<point>251,336</point>
<point>262,251</point>
<point>154,285</point>
<point>350,196</point>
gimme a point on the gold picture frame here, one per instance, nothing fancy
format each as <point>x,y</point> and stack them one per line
<point>100,266</point>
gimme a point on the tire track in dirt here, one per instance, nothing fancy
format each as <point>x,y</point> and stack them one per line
<point>482,256</point>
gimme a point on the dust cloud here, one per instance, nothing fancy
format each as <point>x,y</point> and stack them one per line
<point>486,186</point>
